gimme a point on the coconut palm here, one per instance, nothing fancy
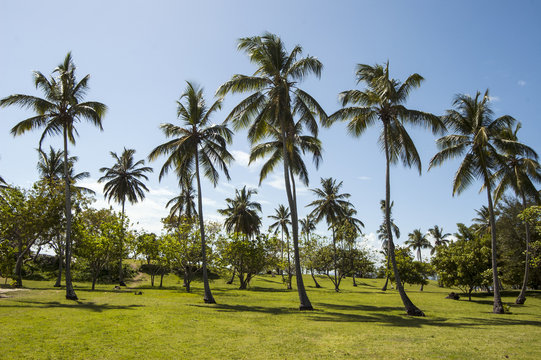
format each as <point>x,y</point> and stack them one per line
<point>122,182</point>
<point>519,172</point>
<point>440,238</point>
<point>275,100</point>
<point>282,220</point>
<point>478,140</point>
<point>307,226</point>
<point>184,203</point>
<point>418,241</point>
<point>382,236</point>
<point>384,100</point>
<point>58,113</point>
<point>331,205</point>
<point>199,144</point>
<point>242,213</point>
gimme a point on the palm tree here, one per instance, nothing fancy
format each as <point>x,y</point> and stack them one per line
<point>122,182</point>
<point>58,113</point>
<point>331,206</point>
<point>478,138</point>
<point>519,171</point>
<point>307,226</point>
<point>384,100</point>
<point>282,220</point>
<point>418,241</point>
<point>440,238</point>
<point>382,236</point>
<point>184,203</point>
<point>198,144</point>
<point>275,101</point>
<point>350,229</point>
<point>51,169</point>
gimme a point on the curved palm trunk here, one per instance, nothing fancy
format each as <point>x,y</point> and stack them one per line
<point>384,288</point>
<point>120,272</point>
<point>303,296</point>
<point>411,309</point>
<point>521,299</point>
<point>498,306</point>
<point>208,298</point>
<point>70,292</point>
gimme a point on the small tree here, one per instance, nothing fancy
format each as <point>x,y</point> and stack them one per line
<point>411,272</point>
<point>149,246</point>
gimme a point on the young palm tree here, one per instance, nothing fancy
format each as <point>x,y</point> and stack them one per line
<point>282,220</point>
<point>58,113</point>
<point>384,100</point>
<point>198,144</point>
<point>307,226</point>
<point>477,138</point>
<point>275,101</point>
<point>440,238</point>
<point>122,182</point>
<point>519,172</point>
<point>382,236</point>
<point>331,206</point>
<point>184,203</point>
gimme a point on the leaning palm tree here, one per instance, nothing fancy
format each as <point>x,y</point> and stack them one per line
<point>198,144</point>
<point>477,139</point>
<point>384,100</point>
<point>331,205</point>
<point>382,236</point>
<point>439,236</point>
<point>519,172</point>
<point>282,220</point>
<point>275,100</point>
<point>58,113</point>
<point>123,182</point>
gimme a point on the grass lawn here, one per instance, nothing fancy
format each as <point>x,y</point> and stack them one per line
<point>261,323</point>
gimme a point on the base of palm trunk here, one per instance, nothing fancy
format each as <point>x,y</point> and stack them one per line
<point>306,308</point>
<point>209,301</point>
<point>71,296</point>
<point>57,285</point>
<point>122,283</point>
<point>414,311</point>
<point>498,308</point>
<point>520,300</point>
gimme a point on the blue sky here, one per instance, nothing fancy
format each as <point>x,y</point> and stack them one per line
<point>139,53</point>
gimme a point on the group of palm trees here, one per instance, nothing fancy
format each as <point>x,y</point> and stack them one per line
<point>282,122</point>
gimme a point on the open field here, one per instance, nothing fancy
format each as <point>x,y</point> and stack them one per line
<point>261,323</point>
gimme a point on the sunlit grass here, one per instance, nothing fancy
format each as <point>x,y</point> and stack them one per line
<point>261,323</point>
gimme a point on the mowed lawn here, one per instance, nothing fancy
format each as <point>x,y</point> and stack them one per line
<point>261,323</point>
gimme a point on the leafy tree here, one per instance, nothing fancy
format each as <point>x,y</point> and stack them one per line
<point>477,137</point>
<point>418,241</point>
<point>281,217</point>
<point>123,182</point>
<point>248,255</point>
<point>411,271</point>
<point>270,110</point>
<point>150,247</point>
<point>97,234</point>
<point>198,144</point>
<point>384,100</point>
<point>58,113</point>
<point>310,249</point>
<point>519,172</point>
<point>532,215</point>
<point>463,263</point>
<point>331,206</point>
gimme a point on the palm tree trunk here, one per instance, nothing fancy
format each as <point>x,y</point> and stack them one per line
<point>411,309</point>
<point>70,292</point>
<point>59,277</point>
<point>303,296</point>
<point>314,278</point>
<point>384,288</point>
<point>120,272</point>
<point>232,277</point>
<point>288,267</point>
<point>521,299</point>
<point>335,262</point>
<point>282,253</point>
<point>208,298</point>
<point>498,306</point>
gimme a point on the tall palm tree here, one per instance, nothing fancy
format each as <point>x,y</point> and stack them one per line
<point>519,172</point>
<point>58,113</point>
<point>439,236</point>
<point>282,220</point>
<point>418,241</point>
<point>477,139</point>
<point>384,100</point>
<point>307,226</point>
<point>123,182</point>
<point>275,100</point>
<point>382,236</point>
<point>198,144</point>
<point>331,205</point>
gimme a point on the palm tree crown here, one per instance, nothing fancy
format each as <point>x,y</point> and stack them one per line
<point>242,213</point>
<point>439,236</point>
<point>417,241</point>
<point>282,220</point>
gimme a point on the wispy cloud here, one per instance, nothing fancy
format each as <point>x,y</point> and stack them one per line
<point>494,98</point>
<point>277,181</point>
<point>242,159</point>
<point>521,83</point>
<point>364,178</point>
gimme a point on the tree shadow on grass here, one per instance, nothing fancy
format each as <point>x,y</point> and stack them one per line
<point>85,305</point>
<point>245,308</point>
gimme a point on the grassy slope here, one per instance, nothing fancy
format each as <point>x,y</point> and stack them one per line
<point>261,323</point>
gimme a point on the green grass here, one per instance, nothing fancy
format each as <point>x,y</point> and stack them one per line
<point>261,323</point>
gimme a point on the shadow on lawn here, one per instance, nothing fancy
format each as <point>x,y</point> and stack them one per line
<point>86,305</point>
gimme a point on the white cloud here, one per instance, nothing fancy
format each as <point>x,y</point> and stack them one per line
<point>521,83</point>
<point>209,202</point>
<point>364,178</point>
<point>243,159</point>
<point>277,181</point>
<point>494,98</point>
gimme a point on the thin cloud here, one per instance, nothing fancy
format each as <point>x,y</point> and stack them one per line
<point>521,83</point>
<point>364,178</point>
